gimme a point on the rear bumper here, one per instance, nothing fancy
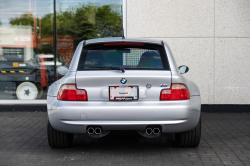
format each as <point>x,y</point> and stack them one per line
<point>173,116</point>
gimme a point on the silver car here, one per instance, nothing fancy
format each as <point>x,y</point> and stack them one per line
<point>123,84</point>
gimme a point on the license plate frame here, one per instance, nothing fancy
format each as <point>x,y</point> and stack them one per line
<point>124,93</point>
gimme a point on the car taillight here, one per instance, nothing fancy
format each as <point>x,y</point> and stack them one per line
<point>70,92</point>
<point>176,92</point>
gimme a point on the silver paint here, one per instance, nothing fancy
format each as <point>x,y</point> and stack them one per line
<point>173,116</point>
<point>74,62</point>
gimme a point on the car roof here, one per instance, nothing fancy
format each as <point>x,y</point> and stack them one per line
<point>120,39</point>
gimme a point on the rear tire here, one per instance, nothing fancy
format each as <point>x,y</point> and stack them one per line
<point>58,139</point>
<point>189,138</point>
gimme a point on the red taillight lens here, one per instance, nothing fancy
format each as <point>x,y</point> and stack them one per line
<point>176,92</point>
<point>70,92</point>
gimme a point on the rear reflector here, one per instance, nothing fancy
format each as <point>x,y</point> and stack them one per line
<point>176,92</point>
<point>71,93</point>
<point>123,44</point>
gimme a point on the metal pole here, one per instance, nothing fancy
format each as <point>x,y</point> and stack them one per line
<point>55,41</point>
<point>124,18</point>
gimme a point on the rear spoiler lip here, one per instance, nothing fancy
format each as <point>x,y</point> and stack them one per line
<point>120,40</point>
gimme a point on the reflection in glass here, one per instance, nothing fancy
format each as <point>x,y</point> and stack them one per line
<point>86,19</point>
<point>27,57</point>
<point>24,62</point>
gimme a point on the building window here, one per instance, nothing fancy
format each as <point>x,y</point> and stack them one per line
<point>27,56</point>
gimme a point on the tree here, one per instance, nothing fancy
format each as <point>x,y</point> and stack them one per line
<point>47,24</point>
<point>28,20</point>
<point>25,19</point>
<point>108,22</point>
<point>77,24</point>
<point>85,23</point>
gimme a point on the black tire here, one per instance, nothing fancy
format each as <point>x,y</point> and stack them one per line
<point>58,139</point>
<point>189,138</point>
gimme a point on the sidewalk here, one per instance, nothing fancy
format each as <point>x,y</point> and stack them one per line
<point>225,141</point>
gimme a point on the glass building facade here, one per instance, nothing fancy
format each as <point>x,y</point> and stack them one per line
<point>36,36</point>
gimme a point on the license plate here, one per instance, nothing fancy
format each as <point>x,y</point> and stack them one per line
<point>123,93</point>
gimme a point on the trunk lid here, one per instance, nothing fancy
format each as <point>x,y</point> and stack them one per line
<point>97,82</point>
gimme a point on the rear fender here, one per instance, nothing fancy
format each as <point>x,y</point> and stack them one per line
<point>192,87</point>
<point>69,78</point>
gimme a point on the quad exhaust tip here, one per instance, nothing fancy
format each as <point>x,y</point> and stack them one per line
<point>98,130</point>
<point>148,131</point>
<point>94,130</point>
<point>155,131</point>
<point>90,130</point>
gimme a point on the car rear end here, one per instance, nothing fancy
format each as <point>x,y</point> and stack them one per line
<point>123,85</point>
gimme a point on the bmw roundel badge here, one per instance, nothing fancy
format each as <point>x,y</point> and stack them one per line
<point>148,86</point>
<point>123,81</point>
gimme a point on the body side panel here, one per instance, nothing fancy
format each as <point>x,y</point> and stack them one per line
<point>177,77</point>
<point>74,62</point>
<point>171,60</point>
<point>192,87</point>
<point>69,78</point>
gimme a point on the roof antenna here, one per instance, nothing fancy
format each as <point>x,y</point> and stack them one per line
<point>123,36</point>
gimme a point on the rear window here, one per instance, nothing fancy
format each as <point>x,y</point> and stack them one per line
<point>130,57</point>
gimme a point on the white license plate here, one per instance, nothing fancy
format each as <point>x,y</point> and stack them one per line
<point>123,93</point>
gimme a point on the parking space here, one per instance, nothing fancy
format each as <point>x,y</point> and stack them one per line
<point>225,141</point>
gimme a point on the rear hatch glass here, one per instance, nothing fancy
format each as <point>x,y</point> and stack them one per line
<point>130,56</point>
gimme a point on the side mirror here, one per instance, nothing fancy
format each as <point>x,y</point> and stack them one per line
<point>183,69</point>
<point>63,70</point>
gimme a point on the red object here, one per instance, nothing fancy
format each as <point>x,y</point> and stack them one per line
<point>71,93</point>
<point>65,45</point>
<point>43,71</point>
<point>122,44</point>
<point>176,92</point>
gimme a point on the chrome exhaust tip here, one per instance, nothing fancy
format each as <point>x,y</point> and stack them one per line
<point>90,130</point>
<point>148,131</point>
<point>98,130</point>
<point>156,131</point>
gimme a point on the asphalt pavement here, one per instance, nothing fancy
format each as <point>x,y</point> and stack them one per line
<point>225,141</point>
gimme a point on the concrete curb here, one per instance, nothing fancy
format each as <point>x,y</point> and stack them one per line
<point>204,108</point>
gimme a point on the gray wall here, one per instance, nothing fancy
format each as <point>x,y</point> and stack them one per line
<point>211,37</point>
